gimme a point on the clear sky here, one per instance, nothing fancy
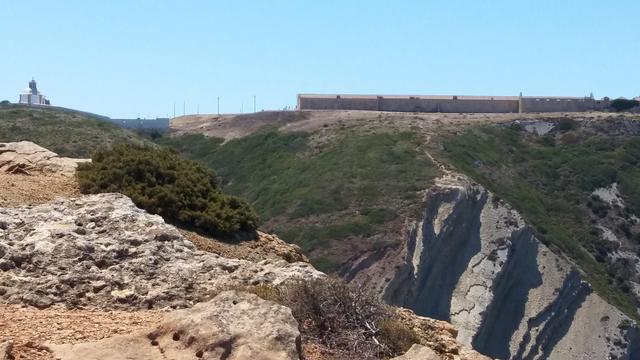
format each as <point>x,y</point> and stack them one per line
<point>128,58</point>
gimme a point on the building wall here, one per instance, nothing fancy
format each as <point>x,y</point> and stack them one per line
<point>142,124</point>
<point>532,104</point>
<point>32,99</point>
<point>449,104</point>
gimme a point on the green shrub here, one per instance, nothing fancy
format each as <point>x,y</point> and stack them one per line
<point>567,124</point>
<point>5,102</point>
<point>160,181</point>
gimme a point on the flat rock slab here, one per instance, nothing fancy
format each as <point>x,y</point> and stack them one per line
<point>232,326</point>
<point>25,157</point>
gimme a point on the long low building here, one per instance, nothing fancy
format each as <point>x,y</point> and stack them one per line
<point>450,103</point>
<point>142,124</point>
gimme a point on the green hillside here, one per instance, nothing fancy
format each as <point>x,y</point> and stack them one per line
<point>67,133</point>
<point>327,197</point>
<point>346,190</point>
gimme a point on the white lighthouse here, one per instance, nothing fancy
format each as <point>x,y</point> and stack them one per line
<point>31,95</point>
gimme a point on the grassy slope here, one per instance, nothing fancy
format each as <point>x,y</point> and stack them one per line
<point>549,179</point>
<point>64,132</point>
<point>314,196</point>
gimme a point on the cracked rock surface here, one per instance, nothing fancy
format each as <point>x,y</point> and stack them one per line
<point>102,252</point>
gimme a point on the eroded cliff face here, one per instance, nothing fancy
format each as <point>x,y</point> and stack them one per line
<point>473,261</point>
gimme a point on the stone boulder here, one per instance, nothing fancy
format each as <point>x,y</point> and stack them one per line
<point>5,350</point>
<point>419,352</point>
<point>26,157</point>
<point>101,251</point>
<point>232,326</point>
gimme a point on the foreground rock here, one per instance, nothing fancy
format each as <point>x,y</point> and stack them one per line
<point>5,350</point>
<point>419,352</point>
<point>233,326</point>
<point>100,251</point>
<point>436,337</point>
<point>25,157</point>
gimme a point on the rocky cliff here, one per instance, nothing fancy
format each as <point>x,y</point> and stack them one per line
<point>101,251</point>
<point>473,261</point>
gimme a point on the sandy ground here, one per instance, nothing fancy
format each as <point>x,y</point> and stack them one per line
<point>35,189</point>
<point>30,328</point>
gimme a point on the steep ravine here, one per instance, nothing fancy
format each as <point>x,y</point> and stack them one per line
<point>473,261</point>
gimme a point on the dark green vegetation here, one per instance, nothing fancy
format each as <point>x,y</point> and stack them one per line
<point>67,133</point>
<point>550,179</point>
<point>624,104</point>
<point>159,180</point>
<point>315,194</point>
<point>5,102</point>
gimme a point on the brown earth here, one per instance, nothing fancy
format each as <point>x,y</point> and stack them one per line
<point>29,328</point>
<point>17,189</point>
<point>265,246</point>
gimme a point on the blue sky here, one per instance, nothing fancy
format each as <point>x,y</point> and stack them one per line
<point>137,58</point>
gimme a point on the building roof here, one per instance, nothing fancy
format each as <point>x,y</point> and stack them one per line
<point>436,97</point>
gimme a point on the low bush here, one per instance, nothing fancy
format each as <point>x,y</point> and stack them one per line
<point>160,181</point>
<point>567,124</point>
<point>347,320</point>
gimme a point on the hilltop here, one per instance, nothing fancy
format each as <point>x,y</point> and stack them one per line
<point>65,132</point>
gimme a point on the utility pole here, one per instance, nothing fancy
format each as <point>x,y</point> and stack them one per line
<point>254,103</point>
<point>174,109</point>
<point>218,105</point>
<point>198,111</point>
<point>241,108</point>
<point>184,108</point>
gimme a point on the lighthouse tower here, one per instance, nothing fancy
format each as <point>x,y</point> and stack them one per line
<point>31,95</point>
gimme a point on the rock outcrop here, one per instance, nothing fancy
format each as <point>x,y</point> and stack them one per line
<point>418,352</point>
<point>232,326</point>
<point>5,350</point>
<point>472,260</point>
<point>437,337</point>
<point>100,251</point>
<point>25,157</point>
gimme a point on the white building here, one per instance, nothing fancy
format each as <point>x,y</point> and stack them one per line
<point>31,95</point>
